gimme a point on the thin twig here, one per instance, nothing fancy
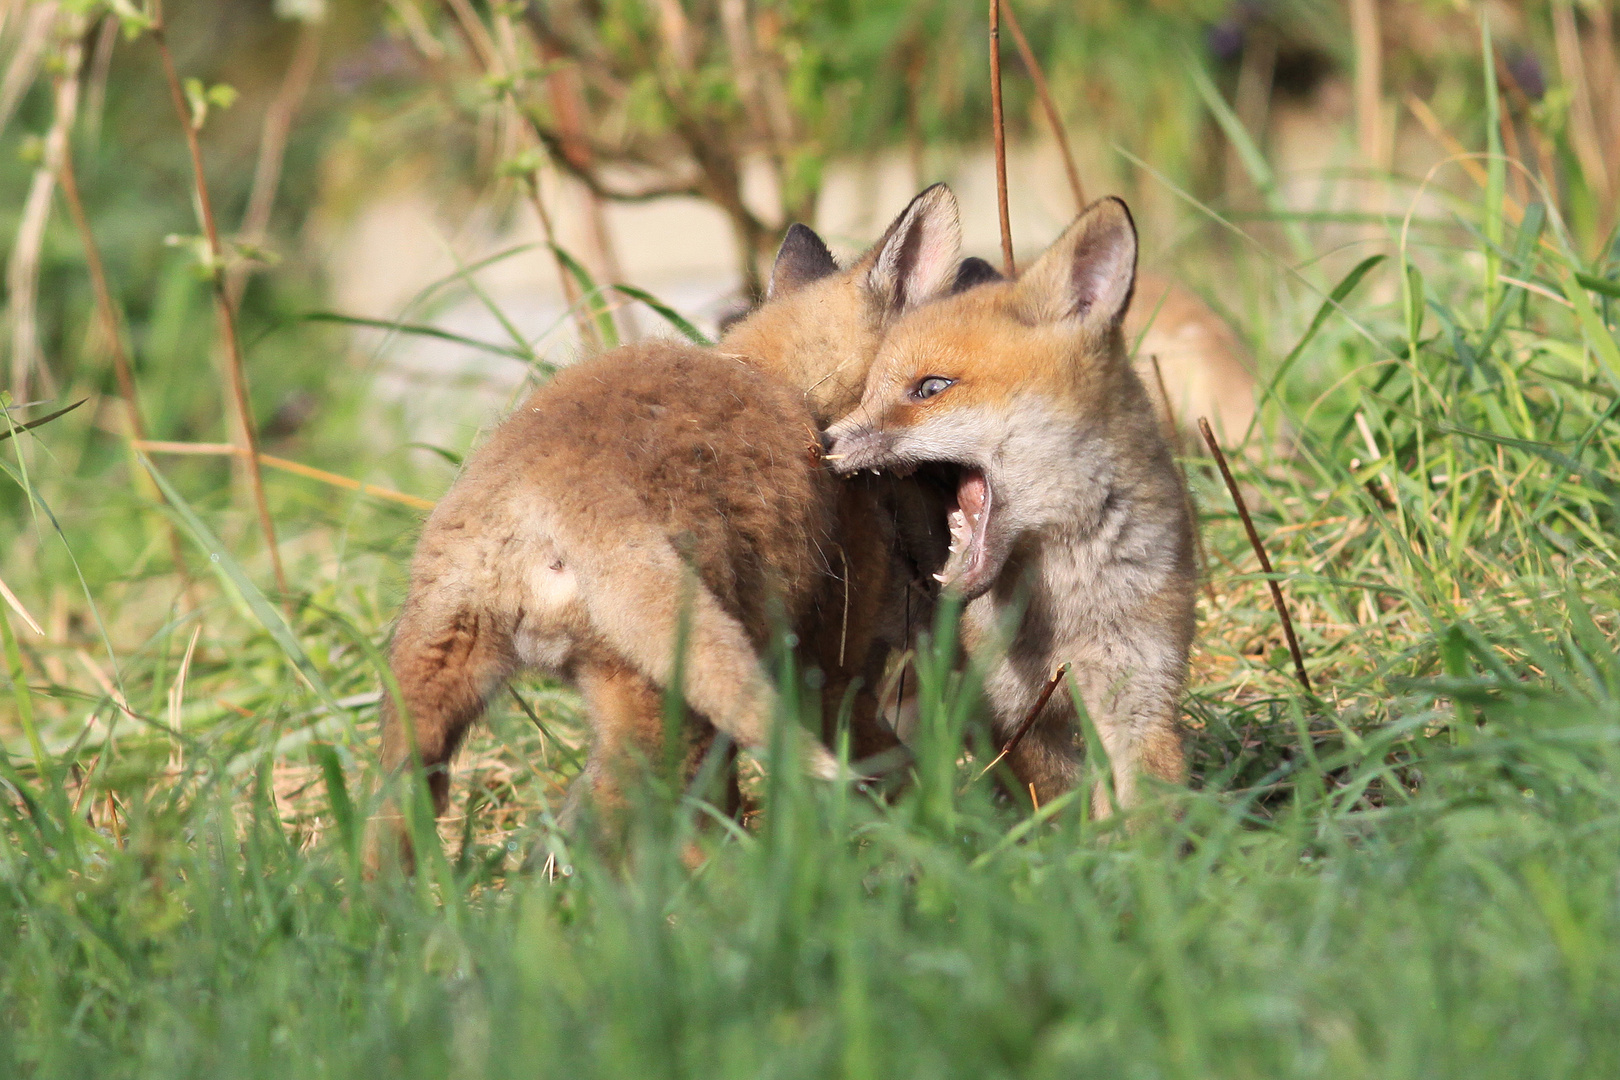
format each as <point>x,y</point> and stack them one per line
<point>235,367</point>
<point>107,315</point>
<point>1044,93</point>
<point>1260,551</point>
<point>106,311</point>
<point>297,468</point>
<point>1029,718</point>
<point>999,128</point>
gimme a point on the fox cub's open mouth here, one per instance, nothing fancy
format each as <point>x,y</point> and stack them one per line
<point>969,512</point>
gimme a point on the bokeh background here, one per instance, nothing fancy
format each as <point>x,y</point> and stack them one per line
<point>372,148</point>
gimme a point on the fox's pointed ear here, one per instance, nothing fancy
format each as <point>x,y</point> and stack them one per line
<point>1089,273</point>
<point>974,271</point>
<point>916,259</point>
<point>802,258</point>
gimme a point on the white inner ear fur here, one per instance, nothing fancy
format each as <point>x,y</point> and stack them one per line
<point>919,260</point>
<point>1103,272</point>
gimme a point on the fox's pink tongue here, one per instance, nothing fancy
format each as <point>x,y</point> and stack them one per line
<point>970,494</point>
<point>966,518</point>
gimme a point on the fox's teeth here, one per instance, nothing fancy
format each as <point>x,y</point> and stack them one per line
<point>940,578</point>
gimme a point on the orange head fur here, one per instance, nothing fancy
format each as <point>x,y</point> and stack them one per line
<point>822,325</point>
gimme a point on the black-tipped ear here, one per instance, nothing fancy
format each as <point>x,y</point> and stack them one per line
<point>974,271</point>
<point>1090,272</point>
<point>916,260</point>
<point>802,258</point>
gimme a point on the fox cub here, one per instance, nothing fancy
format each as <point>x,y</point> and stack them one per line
<point>1070,534</point>
<point>650,486</point>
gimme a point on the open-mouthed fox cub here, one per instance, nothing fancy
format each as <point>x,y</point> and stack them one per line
<point>1066,509</point>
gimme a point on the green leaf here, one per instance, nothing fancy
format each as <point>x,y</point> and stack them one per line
<point>1254,162</point>
<point>1603,286</point>
<point>600,314</point>
<point>337,795</point>
<point>14,428</point>
<point>418,330</point>
<point>1334,302</point>
<point>670,315</point>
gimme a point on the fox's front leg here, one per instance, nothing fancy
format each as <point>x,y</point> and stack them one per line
<point>1135,710</point>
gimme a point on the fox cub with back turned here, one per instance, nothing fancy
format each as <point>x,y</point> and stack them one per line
<point>1069,518</point>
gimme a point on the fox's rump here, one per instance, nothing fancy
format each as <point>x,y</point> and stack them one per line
<point>719,458</point>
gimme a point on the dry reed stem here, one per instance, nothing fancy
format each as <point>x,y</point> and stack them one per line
<point>278,120</point>
<point>235,366</point>
<point>294,467</point>
<point>1367,41</point>
<point>17,605</point>
<point>999,129</point>
<point>1044,93</point>
<point>1260,552</point>
<point>1469,161</point>
<point>22,268</point>
<point>24,66</point>
<point>1583,124</point>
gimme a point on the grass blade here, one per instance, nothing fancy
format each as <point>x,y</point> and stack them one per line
<point>600,314</point>
<point>419,330</point>
<point>15,428</point>
<point>237,580</point>
<point>670,315</point>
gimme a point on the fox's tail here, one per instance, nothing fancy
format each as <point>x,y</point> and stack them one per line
<point>643,598</point>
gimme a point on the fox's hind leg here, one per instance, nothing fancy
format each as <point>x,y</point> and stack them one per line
<point>630,737</point>
<point>645,612</point>
<point>447,659</point>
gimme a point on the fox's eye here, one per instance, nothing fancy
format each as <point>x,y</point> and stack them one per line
<point>929,386</point>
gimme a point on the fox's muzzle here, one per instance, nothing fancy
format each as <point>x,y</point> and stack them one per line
<point>853,446</point>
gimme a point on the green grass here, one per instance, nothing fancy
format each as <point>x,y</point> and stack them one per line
<point>1413,873</point>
